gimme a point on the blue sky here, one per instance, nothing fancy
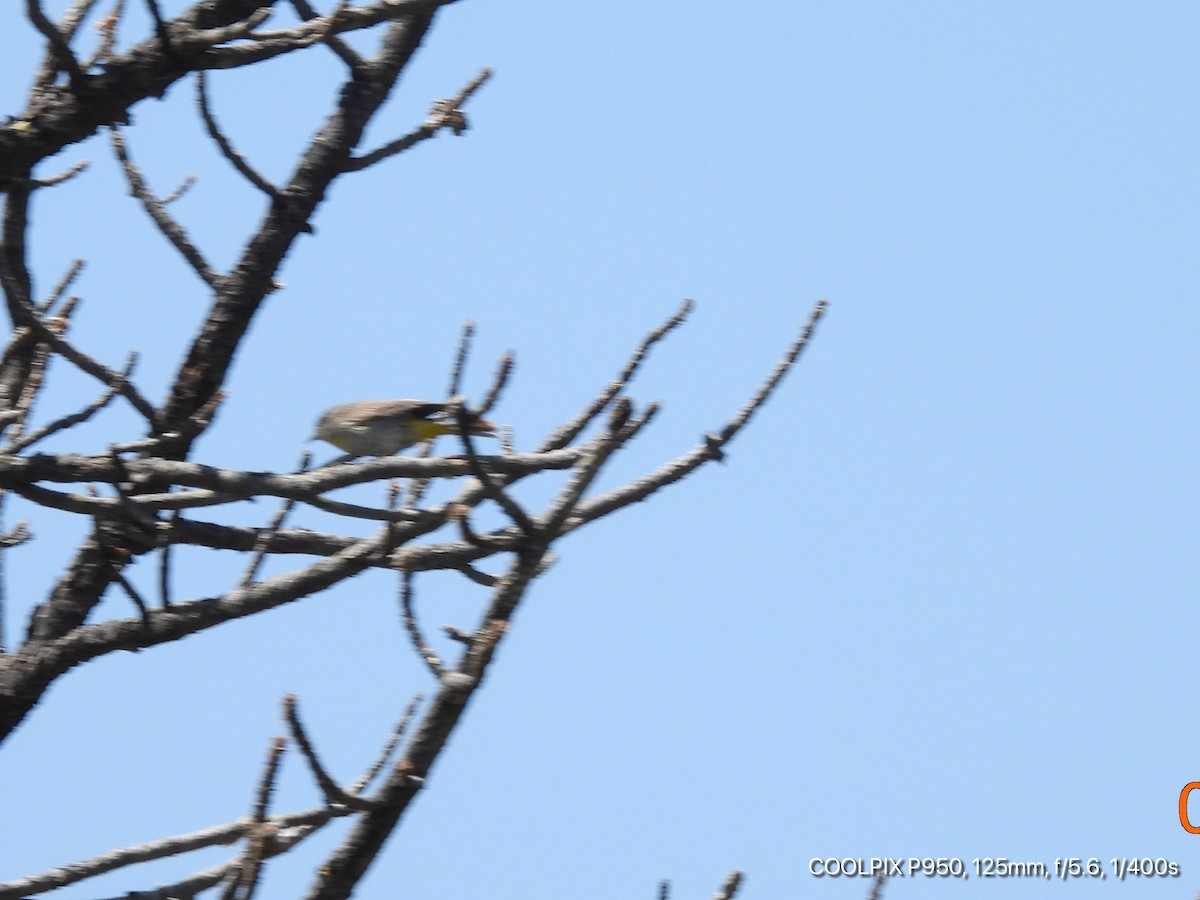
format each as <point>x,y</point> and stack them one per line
<point>940,600</point>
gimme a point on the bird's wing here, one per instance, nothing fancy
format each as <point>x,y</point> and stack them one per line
<point>373,410</point>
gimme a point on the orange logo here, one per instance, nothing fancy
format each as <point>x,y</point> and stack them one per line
<point>1183,801</point>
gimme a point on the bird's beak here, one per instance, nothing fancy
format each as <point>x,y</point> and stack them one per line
<point>475,424</point>
<point>481,427</point>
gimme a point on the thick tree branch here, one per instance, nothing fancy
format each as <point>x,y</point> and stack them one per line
<point>151,474</point>
<point>25,673</point>
<point>61,115</point>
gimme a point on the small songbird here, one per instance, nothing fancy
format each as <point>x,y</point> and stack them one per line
<point>385,427</point>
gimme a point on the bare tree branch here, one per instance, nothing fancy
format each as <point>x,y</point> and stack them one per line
<point>409,618</point>
<point>562,436</point>
<point>284,831</point>
<point>161,31</point>
<point>444,114</point>
<point>61,52</point>
<point>336,44</point>
<point>171,229</point>
<point>67,26</point>
<point>364,780</point>
<point>25,316</point>
<point>65,175</point>
<point>460,359</point>
<point>152,473</point>
<point>712,448</point>
<point>143,495</point>
<point>504,370</point>
<point>107,27</point>
<point>166,537</point>
<point>16,536</point>
<point>149,68</point>
<point>781,368</point>
<point>333,793</point>
<point>263,543</point>
<point>235,159</point>
<point>184,187</point>
<point>730,888</point>
<point>61,288</point>
<point>69,421</point>
<point>492,489</point>
<point>290,828</point>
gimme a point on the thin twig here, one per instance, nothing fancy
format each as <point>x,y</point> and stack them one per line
<point>333,793</point>
<point>781,368</point>
<point>335,43</point>
<point>364,780</point>
<point>259,45</point>
<point>491,486</point>
<point>712,448</point>
<point>266,784</point>
<point>59,48</point>
<point>409,619</point>
<point>211,37</point>
<point>461,514</point>
<point>160,29</point>
<point>66,175</point>
<point>202,417</point>
<point>3,580</point>
<point>134,511</point>
<point>290,829</point>
<point>129,589</point>
<point>483,579</point>
<point>184,187</point>
<point>70,21</point>
<point>227,150</point>
<point>619,430</point>
<point>730,888</point>
<point>81,360</point>
<point>563,435</point>
<point>244,880</point>
<point>165,531</point>
<point>20,534</point>
<point>418,486</point>
<point>268,534</point>
<point>504,369</point>
<point>107,27</point>
<point>340,508</point>
<point>39,360</point>
<point>38,357</point>
<point>460,359</point>
<point>60,289</point>
<point>171,229</point>
<point>69,421</point>
<point>444,114</point>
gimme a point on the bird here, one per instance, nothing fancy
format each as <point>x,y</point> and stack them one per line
<point>385,427</point>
